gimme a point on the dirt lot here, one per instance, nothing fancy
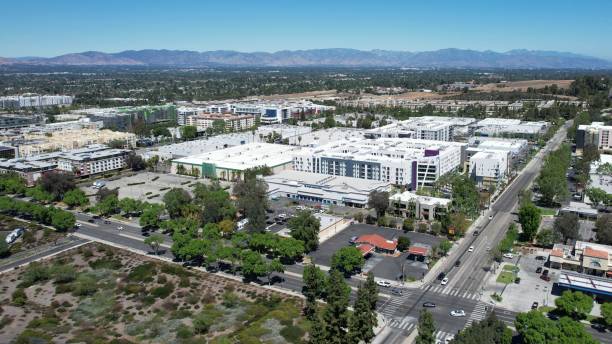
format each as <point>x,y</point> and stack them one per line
<point>521,85</point>
<point>99,294</point>
<point>34,235</point>
<point>297,96</point>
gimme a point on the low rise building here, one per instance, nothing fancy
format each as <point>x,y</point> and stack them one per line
<point>507,127</point>
<point>585,257</point>
<point>9,121</point>
<point>322,188</point>
<point>231,163</point>
<point>377,243</point>
<point>408,204</point>
<point>30,171</point>
<point>407,162</point>
<point>488,168</point>
<point>199,146</point>
<point>231,122</point>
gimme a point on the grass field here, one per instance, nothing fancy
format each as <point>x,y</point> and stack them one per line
<point>505,277</point>
<point>548,212</point>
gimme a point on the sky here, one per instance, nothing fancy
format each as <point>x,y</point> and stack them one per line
<point>51,28</point>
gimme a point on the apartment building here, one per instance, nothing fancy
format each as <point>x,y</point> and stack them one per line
<point>409,162</point>
<point>34,100</point>
<point>596,134</point>
<point>437,128</point>
<point>488,168</point>
<point>203,121</point>
<point>30,171</point>
<point>9,121</point>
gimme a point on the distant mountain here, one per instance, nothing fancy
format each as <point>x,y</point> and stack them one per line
<point>444,58</point>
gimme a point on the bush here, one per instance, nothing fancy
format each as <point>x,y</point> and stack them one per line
<point>143,273</point>
<point>84,285</point>
<point>203,321</point>
<point>105,263</point>
<point>63,273</point>
<point>35,272</point>
<point>19,297</point>
<point>292,333</point>
<point>133,288</point>
<point>184,332</point>
<point>230,300</point>
<point>163,291</point>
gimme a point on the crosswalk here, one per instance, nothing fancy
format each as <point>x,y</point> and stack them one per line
<point>407,324</point>
<point>389,308</point>
<point>478,314</point>
<point>440,289</point>
<point>443,337</point>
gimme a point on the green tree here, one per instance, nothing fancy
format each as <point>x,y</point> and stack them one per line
<point>253,264</point>
<point>363,319</point>
<point>489,330</point>
<point>567,226</point>
<point>426,328</point>
<point>305,227</point>
<point>335,315</point>
<point>150,216</point>
<point>154,241</point>
<point>547,237</point>
<point>408,225</point>
<point>599,196</point>
<point>606,313</point>
<point>289,249</point>
<point>534,328</point>
<point>131,206</point>
<point>274,266</point>
<point>372,290</point>
<point>403,243</point>
<point>253,201</point>
<point>529,217</point>
<point>445,246</point>
<point>465,195</point>
<point>37,193</point>
<point>57,183</point>
<point>75,197</point>
<point>61,219</point>
<point>175,199</point>
<point>135,162</point>
<point>108,205</point>
<point>552,182</point>
<point>189,132</point>
<point>575,304</point>
<point>4,248</point>
<point>315,283</point>
<point>379,201</point>
<point>317,332</point>
<point>216,202</point>
<point>603,226</point>
<point>347,260</point>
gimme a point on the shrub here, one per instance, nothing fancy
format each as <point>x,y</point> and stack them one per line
<point>19,297</point>
<point>184,332</point>
<point>64,288</point>
<point>203,321</point>
<point>163,291</point>
<point>133,288</point>
<point>292,333</point>
<point>63,273</point>
<point>105,263</point>
<point>230,300</point>
<point>143,273</point>
<point>84,285</point>
<point>35,272</point>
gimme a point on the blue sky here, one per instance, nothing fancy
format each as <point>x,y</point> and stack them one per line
<point>49,28</point>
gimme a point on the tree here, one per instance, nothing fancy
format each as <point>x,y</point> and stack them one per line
<point>61,219</point>
<point>548,237</point>
<point>4,248</point>
<point>227,227</point>
<point>529,217</point>
<point>218,126</point>
<point>599,196</point>
<point>403,243</point>
<point>465,195</point>
<point>372,290</point>
<point>150,216</point>
<point>603,226</point>
<point>489,330</point>
<point>317,332</point>
<point>606,313</point>
<point>189,132</point>
<point>289,249</point>
<point>216,202</point>
<point>408,225</point>
<point>38,194</point>
<point>305,227</point>
<point>253,264</point>
<point>57,183</point>
<point>347,260</point>
<point>174,200</point>
<point>274,266</point>
<point>335,315</point>
<point>552,181</point>
<point>154,241</point>
<point>445,246</point>
<point>135,162</point>
<point>131,206</point>
<point>108,205</point>
<point>575,304</point>
<point>534,328</point>
<point>75,197</point>
<point>426,328</point>
<point>363,319</point>
<point>379,201</point>
<point>329,122</point>
<point>567,226</point>
<point>253,201</point>
<point>315,283</point>
<point>105,192</point>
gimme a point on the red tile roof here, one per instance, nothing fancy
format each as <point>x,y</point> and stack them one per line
<point>365,248</point>
<point>377,241</point>
<point>556,253</point>
<point>418,250</point>
<point>590,252</point>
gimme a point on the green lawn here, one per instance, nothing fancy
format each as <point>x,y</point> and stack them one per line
<point>505,277</point>
<point>511,268</point>
<point>548,211</point>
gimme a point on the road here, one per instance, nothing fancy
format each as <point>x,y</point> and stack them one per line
<point>40,253</point>
<point>464,288</point>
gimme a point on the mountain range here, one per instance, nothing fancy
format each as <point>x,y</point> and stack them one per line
<point>444,58</point>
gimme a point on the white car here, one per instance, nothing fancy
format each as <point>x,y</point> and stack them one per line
<point>471,249</point>
<point>385,284</point>
<point>457,313</point>
<point>488,248</point>
<point>490,217</point>
<point>444,281</point>
<point>508,255</point>
<point>120,228</point>
<point>77,224</point>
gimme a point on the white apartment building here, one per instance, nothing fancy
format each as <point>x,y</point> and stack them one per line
<point>86,161</point>
<point>34,100</point>
<point>488,168</point>
<point>596,134</point>
<point>410,162</point>
<point>437,128</point>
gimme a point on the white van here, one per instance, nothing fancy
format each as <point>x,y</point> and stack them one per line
<point>241,224</point>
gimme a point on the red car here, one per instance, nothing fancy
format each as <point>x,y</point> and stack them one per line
<point>545,277</point>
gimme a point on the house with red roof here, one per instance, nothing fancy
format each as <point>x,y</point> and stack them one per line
<point>586,257</point>
<point>377,242</point>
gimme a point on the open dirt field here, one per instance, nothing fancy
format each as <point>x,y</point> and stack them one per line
<point>100,294</point>
<point>297,96</point>
<point>521,85</point>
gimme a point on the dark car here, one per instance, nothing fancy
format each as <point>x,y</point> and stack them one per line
<point>397,292</point>
<point>476,233</point>
<point>545,277</point>
<point>457,263</point>
<point>91,220</point>
<point>545,272</point>
<point>539,270</point>
<point>429,305</point>
<point>517,280</point>
<point>441,276</point>
<point>534,305</point>
<point>107,222</point>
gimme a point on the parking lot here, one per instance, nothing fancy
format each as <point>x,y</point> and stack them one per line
<point>147,186</point>
<point>383,266</point>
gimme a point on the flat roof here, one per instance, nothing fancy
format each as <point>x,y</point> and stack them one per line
<point>297,178</point>
<point>407,196</point>
<point>586,283</point>
<point>245,156</point>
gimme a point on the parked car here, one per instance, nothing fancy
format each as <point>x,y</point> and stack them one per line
<point>471,249</point>
<point>535,305</point>
<point>444,281</point>
<point>508,255</point>
<point>91,220</point>
<point>107,222</point>
<point>517,280</point>
<point>457,313</point>
<point>77,225</point>
<point>545,272</point>
<point>352,240</point>
<point>539,270</point>
<point>429,305</point>
<point>545,277</point>
<point>385,284</point>
<point>120,228</point>
<point>14,235</point>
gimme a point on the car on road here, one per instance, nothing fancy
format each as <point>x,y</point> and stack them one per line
<point>429,305</point>
<point>91,220</point>
<point>77,224</point>
<point>441,276</point>
<point>476,233</point>
<point>545,272</point>
<point>490,217</point>
<point>457,313</point>
<point>539,270</point>
<point>14,235</point>
<point>107,222</point>
<point>508,255</point>
<point>444,281</point>
<point>471,249</point>
<point>120,228</point>
<point>397,292</point>
<point>457,263</point>
<point>488,248</point>
<point>385,284</point>
<point>535,305</point>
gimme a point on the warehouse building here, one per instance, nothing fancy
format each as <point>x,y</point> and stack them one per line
<point>324,189</point>
<point>231,163</point>
<point>407,162</point>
